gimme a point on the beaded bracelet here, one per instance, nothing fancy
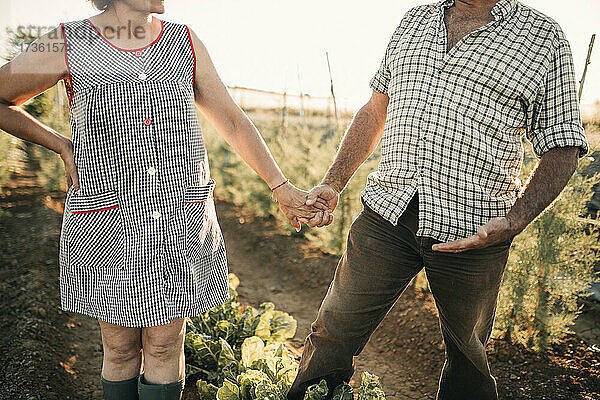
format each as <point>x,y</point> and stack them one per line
<point>278,186</point>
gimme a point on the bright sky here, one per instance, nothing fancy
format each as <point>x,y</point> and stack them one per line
<point>265,43</point>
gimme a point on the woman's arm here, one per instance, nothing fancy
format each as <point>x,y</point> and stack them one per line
<point>27,75</point>
<point>239,132</point>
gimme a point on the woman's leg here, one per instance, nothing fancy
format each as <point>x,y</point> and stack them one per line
<point>122,361</point>
<point>122,351</point>
<point>164,361</point>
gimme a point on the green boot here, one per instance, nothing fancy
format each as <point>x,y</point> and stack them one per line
<point>120,390</point>
<point>166,391</point>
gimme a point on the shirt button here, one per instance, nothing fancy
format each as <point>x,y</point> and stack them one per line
<point>142,76</point>
<point>156,214</point>
<point>138,53</point>
<point>147,121</point>
<point>151,171</point>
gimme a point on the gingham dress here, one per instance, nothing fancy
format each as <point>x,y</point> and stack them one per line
<point>140,242</point>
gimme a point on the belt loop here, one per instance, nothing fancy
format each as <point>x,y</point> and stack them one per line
<point>420,240</point>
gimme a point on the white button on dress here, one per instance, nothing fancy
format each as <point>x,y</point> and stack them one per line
<point>142,76</point>
<point>156,214</point>
<point>151,171</point>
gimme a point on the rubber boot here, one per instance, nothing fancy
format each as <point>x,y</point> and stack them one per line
<point>120,390</point>
<point>165,391</point>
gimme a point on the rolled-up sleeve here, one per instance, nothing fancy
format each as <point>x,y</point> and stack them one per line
<point>380,81</point>
<point>557,121</point>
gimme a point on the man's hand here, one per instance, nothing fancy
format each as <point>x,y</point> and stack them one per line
<point>497,230</point>
<point>293,204</point>
<point>323,195</point>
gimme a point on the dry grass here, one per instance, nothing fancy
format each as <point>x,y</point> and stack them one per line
<point>592,132</point>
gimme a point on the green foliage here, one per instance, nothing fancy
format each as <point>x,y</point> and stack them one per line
<point>550,267</point>
<point>317,392</point>
<point>217,340</point>
<point>8,145</point>
<point>229,391</point>
<point>206,390</point>
<point>240,355</point>
<point>370,388</point>
<point>343,392</point>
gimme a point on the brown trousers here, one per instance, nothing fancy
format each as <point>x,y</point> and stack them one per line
<point>378,264</point>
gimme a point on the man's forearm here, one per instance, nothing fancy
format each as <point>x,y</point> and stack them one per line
<point>544,185</point>
<point>358,143</point>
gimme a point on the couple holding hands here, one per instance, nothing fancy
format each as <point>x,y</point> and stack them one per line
<point>141,247</point>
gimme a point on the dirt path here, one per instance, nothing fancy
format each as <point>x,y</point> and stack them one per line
<point>45,353</point>
<point>49,354</point>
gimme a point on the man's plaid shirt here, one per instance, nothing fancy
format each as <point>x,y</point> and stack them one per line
<point>455,121</point>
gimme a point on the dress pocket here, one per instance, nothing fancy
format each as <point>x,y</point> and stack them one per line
<point>194,204</point>
<point>95,233</point>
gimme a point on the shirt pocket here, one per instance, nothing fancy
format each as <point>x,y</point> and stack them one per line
<point>95,232</point>
<point>194,205</point>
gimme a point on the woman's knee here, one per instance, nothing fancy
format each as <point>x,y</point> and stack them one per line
<point>121,344</point>
<point>123,352</point>
<point>165,341</point>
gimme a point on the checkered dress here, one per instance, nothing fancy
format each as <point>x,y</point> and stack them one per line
<point>140,242</point>
<point>455,120</point>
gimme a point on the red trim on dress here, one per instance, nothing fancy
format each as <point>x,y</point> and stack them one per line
<point>202,201</point>
<point>69,91</point>
<point>102,209</point>
<point>193,53</point>
<point>162,28</point>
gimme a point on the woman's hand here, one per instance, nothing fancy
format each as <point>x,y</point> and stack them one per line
<point>324,197</point>
<point>293,204</point>
<point>66,153</point>
<point>325,194</point>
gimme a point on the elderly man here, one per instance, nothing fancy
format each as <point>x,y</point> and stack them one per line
<point>460,82</point>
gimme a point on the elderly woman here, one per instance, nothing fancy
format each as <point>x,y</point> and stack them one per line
<point>141,248</point>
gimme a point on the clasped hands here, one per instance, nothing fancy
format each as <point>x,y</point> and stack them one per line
<point>314,208</point>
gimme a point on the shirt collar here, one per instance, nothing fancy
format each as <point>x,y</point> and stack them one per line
<point>501,10</point>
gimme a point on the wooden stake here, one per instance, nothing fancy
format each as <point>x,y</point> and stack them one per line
<point>284,123</point>
<point>343,203</point>
<point>585,68</point>
<point>337,120</point>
